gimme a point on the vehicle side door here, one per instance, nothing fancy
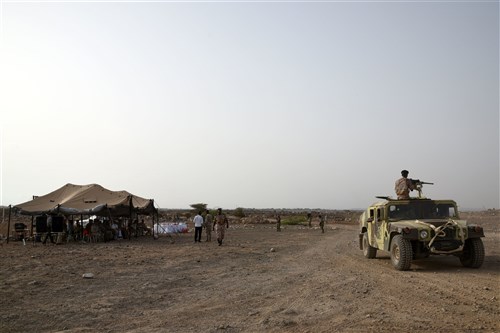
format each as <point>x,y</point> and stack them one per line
<point>379,226</point>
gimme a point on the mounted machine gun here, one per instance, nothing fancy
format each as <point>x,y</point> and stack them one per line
<point>417,185</point>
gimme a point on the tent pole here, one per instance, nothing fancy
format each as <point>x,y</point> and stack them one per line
<point>32,221</point>
<point>8,226</point>
<point>153,226</point>
<point>153,218</point>
<point>110,217</point>
<point>130,222</point>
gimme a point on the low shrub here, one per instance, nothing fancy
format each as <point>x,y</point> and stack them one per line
<point>239,212</point>
<point>294,220</point>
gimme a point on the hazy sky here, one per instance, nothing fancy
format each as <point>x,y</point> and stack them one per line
<point>251,104</point>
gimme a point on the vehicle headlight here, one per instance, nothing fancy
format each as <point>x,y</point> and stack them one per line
<point>424,234</point>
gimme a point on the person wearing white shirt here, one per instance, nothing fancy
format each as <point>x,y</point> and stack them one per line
<point>198,225</point>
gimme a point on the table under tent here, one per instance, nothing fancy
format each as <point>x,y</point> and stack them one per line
<point>81,201</point>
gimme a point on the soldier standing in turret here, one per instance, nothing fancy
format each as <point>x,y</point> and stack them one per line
<point>403,186</point>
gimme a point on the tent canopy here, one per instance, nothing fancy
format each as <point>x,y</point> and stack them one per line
<point>90,199</point>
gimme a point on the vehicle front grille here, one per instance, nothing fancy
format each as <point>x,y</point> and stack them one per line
<point>446,245</point>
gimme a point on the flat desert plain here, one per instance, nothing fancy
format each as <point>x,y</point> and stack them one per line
<point>259,280</point>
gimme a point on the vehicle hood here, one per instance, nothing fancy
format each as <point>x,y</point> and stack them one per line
<point>418,223</point>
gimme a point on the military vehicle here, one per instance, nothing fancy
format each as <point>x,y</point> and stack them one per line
<point>417,228</point>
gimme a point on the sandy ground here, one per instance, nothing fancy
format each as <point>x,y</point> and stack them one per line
<point>298,280</point>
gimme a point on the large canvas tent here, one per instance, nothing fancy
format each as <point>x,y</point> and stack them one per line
<point>90,199</point>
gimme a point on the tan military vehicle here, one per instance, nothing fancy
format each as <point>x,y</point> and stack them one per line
<point>417,228</point>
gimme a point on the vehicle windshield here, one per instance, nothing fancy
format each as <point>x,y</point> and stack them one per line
<point>422,210</point>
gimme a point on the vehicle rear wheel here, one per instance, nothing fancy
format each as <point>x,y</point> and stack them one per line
<point>473,253</point>
<point>368,251</point>
<point>401,253</point>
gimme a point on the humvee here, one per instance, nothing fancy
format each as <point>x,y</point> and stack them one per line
<point>417,228</point>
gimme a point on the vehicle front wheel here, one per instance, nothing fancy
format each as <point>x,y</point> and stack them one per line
<point>368,251</point>
<point>401,253</point>
<point>473,253</point>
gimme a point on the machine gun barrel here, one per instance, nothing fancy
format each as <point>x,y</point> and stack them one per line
<point>419,182</point>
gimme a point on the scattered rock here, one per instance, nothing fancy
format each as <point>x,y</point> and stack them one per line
<point>272,249</point>
<point>88,276</point>
<point>286,323</point>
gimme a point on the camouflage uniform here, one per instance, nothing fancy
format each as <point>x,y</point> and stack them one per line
<point>208,226</point>
<point>278,223</point>
<point>403,187</point>
<point>220,225</point>
<point>322,223</point>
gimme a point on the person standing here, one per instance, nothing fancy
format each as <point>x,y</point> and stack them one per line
<point>208,225</point>
<point>220,225</point>
<point>116,230</point>
<point>198,225</point>
<point>49,231</point>
<point>70,229</point>
<point>278,222</point>
<point>322,223</point>
<point>309,219</point>
<point>403,186</point>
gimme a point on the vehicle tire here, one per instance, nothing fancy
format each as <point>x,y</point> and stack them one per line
<point>401,253</point>
<point>473,253</point>
<point>368,251</point>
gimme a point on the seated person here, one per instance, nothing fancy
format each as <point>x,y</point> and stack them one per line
<point>144,229</point>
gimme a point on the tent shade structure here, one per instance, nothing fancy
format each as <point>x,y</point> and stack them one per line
<point>90,199</point>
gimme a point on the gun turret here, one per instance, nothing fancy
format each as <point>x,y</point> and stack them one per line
<point>417,184</point>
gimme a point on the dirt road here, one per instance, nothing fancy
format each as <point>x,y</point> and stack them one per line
<point>260,280</point>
